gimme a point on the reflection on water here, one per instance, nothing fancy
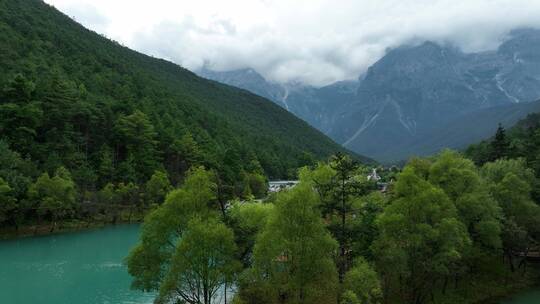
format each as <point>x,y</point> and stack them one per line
<point>82,267</point>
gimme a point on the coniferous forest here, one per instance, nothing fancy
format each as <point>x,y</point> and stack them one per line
<point>86,120</point>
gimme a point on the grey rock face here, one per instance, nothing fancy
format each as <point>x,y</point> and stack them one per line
<point>412,95</point>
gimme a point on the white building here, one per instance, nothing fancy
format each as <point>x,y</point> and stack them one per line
<point>373,176</point>
<point>276,186</point>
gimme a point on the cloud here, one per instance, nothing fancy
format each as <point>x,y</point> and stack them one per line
<point>312,41</point>
<point>87,15</point>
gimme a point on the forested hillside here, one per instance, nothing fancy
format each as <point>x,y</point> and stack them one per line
<point>101,115</point>
<point>520,141</point>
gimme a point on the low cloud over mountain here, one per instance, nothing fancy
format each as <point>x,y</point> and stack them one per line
<point>313,42</point>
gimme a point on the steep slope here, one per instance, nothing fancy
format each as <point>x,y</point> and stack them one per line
<point>414,94</point>
<point>313,105</point>
<point>520,141</point>
<point>231,127</point>
<point>460,132</point>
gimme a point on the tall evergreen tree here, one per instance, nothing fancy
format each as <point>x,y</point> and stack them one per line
<point>500,144</point>
<point>337,191</point>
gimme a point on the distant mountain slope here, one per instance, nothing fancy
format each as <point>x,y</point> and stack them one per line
<point>414,92</point>
<point>520,141</point>
<point>311,104</point>
<point>232,127</point>
<point>470,128</point>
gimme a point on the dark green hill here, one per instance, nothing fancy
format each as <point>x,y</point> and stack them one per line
<point>82,99</point>
<point>521,140</point>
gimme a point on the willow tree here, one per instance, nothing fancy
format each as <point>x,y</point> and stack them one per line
<point>420,239</point>
<point>293,255</point>
<point>202,264</point>
<point>511,185</point>
<point>477,209</point>
<point>184,252</point>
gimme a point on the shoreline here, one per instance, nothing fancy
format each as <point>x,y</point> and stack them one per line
<point>44,229</point>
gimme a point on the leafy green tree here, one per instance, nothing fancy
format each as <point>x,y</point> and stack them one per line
<point>364,228</point>
<point>293,255</point>
<point>257,184</point>
<point>202,264</point>
<point>511,187</point>
<point>157,188</point>
<point>420,239</point>
<point>8,203</point>
<point>247,220</point>
<point>477,209</point>
<point>363,282</point>
<point>150,260</point>
<point>54,197</point>
<point>16,171</point>
<point>108,197</point>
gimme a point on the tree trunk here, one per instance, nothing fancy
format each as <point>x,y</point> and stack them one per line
<point>445,284</point>
<point>342,241</point>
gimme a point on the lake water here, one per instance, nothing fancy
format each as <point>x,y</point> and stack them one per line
<point>86,268</point>
<point>81,267</point>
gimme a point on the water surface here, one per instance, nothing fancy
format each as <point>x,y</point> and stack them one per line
<point>80,267</point>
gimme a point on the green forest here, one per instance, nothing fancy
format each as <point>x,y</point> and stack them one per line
<point>446,231</point>
<point>520,141</point>
<point>90,129</point>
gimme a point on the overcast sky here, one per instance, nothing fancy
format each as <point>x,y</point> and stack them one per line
<point>312,41</point>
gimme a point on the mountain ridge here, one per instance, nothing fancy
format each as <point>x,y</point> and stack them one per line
<point>416,88</point>
<point>115,82</point>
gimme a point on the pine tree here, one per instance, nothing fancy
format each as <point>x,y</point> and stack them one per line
<point>500,145</point>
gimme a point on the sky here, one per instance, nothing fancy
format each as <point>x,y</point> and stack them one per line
<point>314,42</point>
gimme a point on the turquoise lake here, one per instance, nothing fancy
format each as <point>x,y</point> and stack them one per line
<point>80,267</point>
<point>87,268</point>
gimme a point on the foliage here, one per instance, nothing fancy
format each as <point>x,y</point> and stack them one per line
<point>337,185</point>
<point>363,282</point>
<point>420,239</point>
<point>201,264</point>
<point>54,197</point>
<point>149,261</point>
<point>7,201</point>
<point>293,254</point>
<point>511,187</point>
<point>157,188</point>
